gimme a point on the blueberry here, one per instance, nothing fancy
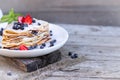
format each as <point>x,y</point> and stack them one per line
<point>15,27</point>
<point>43,44</point>
<point>34,32</point>
<point>54,40</point>
<point>32,47</point>
<point>35,46</point>
<point>15,23</point>
<point>41,47</point>
<point>69,53</point>
<point>33,21</point>
<point>22,28</point>
<point>51,34</point>
<point>16,49</point>
<point>18,23</point>
<point>50,31</point>
<point>39,24</point>
<point>1,31</point>
<point>22,25</point>
<point>74,56</point>
<point>51,45</point>
<point>9,74</point>
<point>25,25</point>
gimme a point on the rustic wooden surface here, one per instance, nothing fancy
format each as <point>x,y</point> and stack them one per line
<point>35,63</point>
<point>98,48</point>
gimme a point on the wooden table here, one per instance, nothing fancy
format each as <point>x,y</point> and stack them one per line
<point>98,48</point>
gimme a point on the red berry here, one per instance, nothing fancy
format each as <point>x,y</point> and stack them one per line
<point>28,19</point>
<point>23,47</point>
<point>20,19</point>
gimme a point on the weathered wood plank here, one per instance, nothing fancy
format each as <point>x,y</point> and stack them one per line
<point>78,78</point>
<point>99,56</point>
<point>32,64</point>
<point>93,30</point>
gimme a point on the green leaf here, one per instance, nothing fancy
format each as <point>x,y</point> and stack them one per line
<point>11,16</point>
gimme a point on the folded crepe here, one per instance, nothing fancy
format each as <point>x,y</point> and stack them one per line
<point>33,34</point>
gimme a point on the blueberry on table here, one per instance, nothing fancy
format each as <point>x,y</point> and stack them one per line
<point>74,56</point>
<point>9,74</point>
<point>69,53</point>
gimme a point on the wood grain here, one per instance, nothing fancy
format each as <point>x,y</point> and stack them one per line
<point>99,56</point>
<point>32,64</point>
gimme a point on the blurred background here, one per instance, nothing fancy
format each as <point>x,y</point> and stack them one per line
<point>85,12</point>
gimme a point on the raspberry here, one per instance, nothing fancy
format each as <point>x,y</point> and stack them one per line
<point>23,47</point>
<point>28,19</point>
<point>20,19</point>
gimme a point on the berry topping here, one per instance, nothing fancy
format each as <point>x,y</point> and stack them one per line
<point>51,34</point>
<point>41,47</point>
<point>51,45</point>
<point>43,44</point>
<point>53,41</point>
<point>20,19</point>
<point>33,21</point>
<point>50,31</point>
<point>32,47</point>
<point>18,25</point>
<point>23,47</point>
<point>1,31</point>
<point>34,32</point>
<point>25,25</point>
<point>27,19</point>
<point>39,24</point>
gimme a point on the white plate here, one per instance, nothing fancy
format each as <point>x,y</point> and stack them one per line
<point>59,33</point>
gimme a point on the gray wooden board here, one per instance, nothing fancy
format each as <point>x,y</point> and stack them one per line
<point>98,48</point>
<point>32,64</point>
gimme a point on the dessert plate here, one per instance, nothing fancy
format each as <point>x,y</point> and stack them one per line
<point>59,33</point>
